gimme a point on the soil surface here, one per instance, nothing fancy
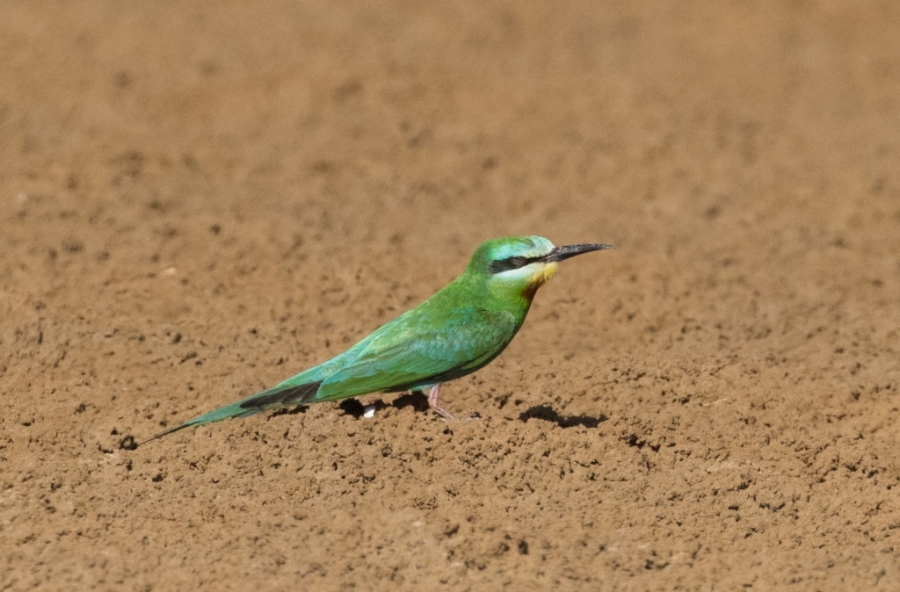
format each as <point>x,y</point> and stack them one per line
<point>200,199</point>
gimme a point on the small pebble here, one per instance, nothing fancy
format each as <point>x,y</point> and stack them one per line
<point>369,412</point>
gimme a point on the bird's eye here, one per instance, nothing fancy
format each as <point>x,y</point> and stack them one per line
<point>508,264</point>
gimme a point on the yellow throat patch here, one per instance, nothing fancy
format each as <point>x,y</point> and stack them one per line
<point>540,277</point>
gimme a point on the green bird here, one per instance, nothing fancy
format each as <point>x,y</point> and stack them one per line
<point>455,332</point>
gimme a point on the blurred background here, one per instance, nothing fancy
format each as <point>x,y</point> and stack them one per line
<point>198,199</point>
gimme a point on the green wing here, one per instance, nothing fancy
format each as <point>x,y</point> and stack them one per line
<point>408,354</point>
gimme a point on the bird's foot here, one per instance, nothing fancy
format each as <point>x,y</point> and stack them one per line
<point>449,417</point>
<point>445,414</point>
<point>433,393</point>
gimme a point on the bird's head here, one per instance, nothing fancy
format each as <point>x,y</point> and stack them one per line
<point>523,263</point>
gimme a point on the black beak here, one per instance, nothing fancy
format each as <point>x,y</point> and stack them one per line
<point>560,253</point>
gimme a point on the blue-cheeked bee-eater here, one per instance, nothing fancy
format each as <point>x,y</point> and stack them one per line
<point>455,332</point>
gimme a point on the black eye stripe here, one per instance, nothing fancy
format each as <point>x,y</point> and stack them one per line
<point>500,265</point>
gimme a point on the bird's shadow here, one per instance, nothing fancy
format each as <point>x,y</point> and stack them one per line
<point>548,413</point>
<point>416,400</point>
<point>419,402</point>
<point>288,411</point>
<point>356,409</point>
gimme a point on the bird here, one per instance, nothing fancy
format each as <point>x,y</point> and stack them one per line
<point>456,332</point>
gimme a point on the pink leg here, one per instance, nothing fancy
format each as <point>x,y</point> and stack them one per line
<point>433,403</point>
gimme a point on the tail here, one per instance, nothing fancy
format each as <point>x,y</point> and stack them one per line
<point>273,398</point>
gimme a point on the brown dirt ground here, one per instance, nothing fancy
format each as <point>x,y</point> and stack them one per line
<point>200,199</point>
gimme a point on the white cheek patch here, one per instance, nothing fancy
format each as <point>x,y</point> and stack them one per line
<point>520,274</point>
<point>533,273</point>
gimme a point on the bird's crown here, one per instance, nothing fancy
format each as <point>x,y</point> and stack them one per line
<point>505,254</point>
